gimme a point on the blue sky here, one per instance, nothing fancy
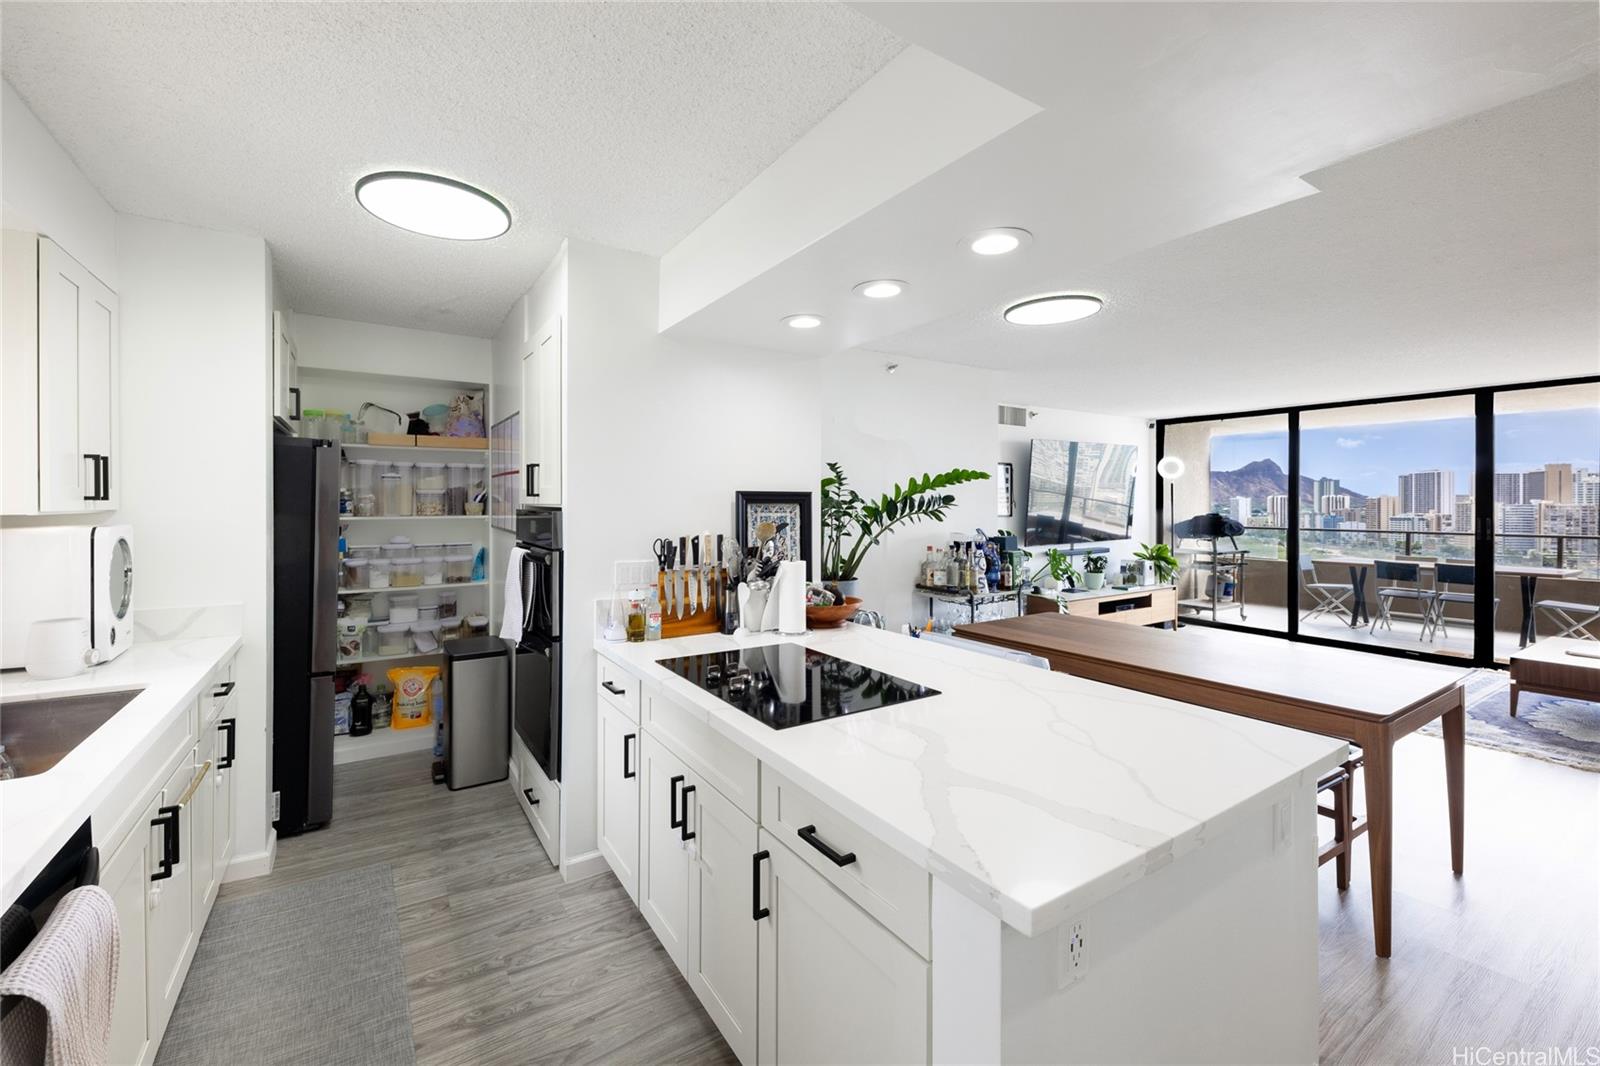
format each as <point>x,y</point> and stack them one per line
<point>1370,459</point>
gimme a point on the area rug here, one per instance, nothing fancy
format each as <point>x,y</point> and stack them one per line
<point>309,973</point>
<point>1553,728</point>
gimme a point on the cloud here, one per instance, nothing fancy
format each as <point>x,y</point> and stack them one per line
<point>1350,442</point>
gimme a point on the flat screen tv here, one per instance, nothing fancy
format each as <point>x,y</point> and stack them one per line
<point>1079,491</point>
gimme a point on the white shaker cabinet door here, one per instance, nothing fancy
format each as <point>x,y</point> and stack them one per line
<point>126,876</point>
<point>223,786</point>
<point>663,852</point>
<point>547,478</point>
<point>834,986</point>
<point>619,795</point>
<point>77,367</point>
<point>722,925</point>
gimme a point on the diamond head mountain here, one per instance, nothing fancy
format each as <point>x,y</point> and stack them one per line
<point>1263,478</point>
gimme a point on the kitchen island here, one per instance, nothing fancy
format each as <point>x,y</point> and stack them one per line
<point>1025,866</point>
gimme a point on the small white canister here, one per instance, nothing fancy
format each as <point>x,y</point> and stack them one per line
<point>57,647</point>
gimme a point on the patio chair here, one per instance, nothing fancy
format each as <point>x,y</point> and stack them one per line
<point>1327,597</point>
<point>1571,618</point>
<point>1444,576</point>
<point>1405,585</point>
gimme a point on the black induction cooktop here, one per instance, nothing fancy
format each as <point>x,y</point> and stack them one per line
<point>785,685</point>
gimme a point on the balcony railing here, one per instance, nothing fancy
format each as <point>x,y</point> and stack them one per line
<point>1579,551</point>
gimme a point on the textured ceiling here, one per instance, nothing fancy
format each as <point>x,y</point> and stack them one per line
<point>624,124</point>
<point>1469,254</point>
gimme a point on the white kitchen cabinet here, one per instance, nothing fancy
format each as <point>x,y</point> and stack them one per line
<point>126,876</point>
<point>834,985</point>
<point>170,924</point>
<point>225,787</point>
<point>542,404</point>
<point>663,851</point>
<point>202,814</point>
<point>722,956</point>
<point>539,797</point>
<point>60,356</point>
<point>285,372</point>
<point>619,795</point>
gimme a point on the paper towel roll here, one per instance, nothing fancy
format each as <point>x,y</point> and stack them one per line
<point>792,598</point>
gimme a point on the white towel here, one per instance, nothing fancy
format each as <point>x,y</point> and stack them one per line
<point>511,617</point>
<point>67,979</point>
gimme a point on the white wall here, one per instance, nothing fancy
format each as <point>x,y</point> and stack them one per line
<point>44,191</point>
<point>340,344</point>
<point>928,417</point>
<point>197,474</point>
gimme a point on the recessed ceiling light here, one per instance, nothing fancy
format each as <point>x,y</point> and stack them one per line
<point>803,321</point>
<point>433,206</point>
<point>882,289</point>
<point>998,241</point>
<point>1053,310</point>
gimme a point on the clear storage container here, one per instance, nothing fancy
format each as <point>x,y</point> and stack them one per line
<point>457,568</point>
<point>389,494</point>
<point>425,635</point>
<point>380,608</point>
<point>394,638</point>
<point>407,483</point>
<point>364,488</point>
<point>358,608</point>
<point>432,568</point>
<point>403,607</point>
<point>428,612</point>
<point>364,551</point>
<point>478,625</point>
<point>405,573</point>
<point>449,629</point>
<point>477,488</point>
<point>455,498</point>
<point>431,476</point>
<point>447,604</point>
<point>379,573</point>
<point>430,502</point>
<point>353,574</point>
<point>397,548</point>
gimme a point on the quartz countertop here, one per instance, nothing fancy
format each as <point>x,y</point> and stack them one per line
<point>39,813</point>
<point>1033,793</point>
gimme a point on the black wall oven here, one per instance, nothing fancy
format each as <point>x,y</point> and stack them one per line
<point>536,677</point>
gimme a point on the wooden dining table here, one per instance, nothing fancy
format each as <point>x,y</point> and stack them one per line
<point>1528,577</point>
<point>1370,700</point>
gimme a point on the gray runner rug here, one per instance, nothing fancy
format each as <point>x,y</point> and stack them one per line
<point>1553,728</point>
<point>308,973</point>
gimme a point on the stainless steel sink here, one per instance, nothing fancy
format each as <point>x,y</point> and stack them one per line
<point>37,734</point>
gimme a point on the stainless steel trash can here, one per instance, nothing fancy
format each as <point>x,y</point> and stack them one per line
<point>478,725</point>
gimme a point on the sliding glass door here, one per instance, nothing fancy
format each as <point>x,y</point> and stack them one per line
<point>1450,526</point>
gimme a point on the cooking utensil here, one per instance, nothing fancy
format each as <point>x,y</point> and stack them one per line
<point>664,556</point>
<point>704,557</point>
<point>680,578</point>
<point>694,576</point>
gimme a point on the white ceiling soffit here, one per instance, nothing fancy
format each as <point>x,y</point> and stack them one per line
<point>914,117</point>
<point>622,124</point>
<point>1159,121</point>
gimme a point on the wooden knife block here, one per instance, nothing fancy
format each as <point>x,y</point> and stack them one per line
<point>708,619</point>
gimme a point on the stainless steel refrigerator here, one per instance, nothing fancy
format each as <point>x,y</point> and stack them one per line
<point>305,580</point>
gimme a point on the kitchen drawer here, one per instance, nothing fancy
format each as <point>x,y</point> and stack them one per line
<point>717,760</point>
<point>539,798</point>
<point>219,699</point>
<point>117,813</point>
<point>886,884</point>
<point>618,687</point>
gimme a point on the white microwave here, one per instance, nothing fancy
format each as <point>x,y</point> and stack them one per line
<point>67,572</point>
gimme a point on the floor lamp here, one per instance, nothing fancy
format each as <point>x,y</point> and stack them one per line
<point>1171,469</point>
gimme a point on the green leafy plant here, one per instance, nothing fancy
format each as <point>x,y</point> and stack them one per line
<point>852,524</point>
<point>1161,555</point>
<point>1059,565</point>
<point>1095,564</point>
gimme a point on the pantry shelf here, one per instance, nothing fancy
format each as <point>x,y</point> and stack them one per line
<point>408,451</point>
<point>379,743</point>
<point>413,518</point>
<point>416,588</point>
<point>358,660</point>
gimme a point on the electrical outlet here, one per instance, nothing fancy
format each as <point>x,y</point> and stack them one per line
<point>1072,964</point>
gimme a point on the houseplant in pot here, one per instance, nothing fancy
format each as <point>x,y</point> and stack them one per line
<point>1058,564</point>
<point>1094,570</point>
<point>852,523</point>
<point>1161,557</point>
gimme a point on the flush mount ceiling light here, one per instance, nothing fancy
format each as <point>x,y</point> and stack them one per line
<point>1053,310</point>
<point>433,206</point>
<point>882,289</point>
<point>803,321</point>
<point>998,241</point>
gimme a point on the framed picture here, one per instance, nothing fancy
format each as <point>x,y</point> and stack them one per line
<point>792,509</point>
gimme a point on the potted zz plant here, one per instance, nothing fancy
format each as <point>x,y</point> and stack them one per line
<point>1094,570</point>
<point>852,524</point>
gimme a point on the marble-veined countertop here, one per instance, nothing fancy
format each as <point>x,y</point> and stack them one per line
<point>1034,793</point>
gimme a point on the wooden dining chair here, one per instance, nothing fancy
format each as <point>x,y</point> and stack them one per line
<point>1404,585</point>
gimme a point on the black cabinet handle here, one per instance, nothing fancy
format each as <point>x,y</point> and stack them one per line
<point>295,414</point>
<point>627,750</point>
<point>672,792</point>
<point>527,480</point>
<point>808,833</point>
<point>167,821</point>
<point>684,832</point>
<point>527,794</point>
<point>614,690</point>
<point>225,691</point>
<point>94,463</point>
<point>757,911</point>
<point>535,492</point>
<point>229,727</point>
<point>105,487</point>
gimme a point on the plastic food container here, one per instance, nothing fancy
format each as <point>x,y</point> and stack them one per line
<point>364,488</point>
<point>432,569</point>
<point>457,568</point>
<point>398,547</point>
<point>405,573</point>
<point>357,608</point>
<point>403,607</point>
<point>394,638</point>
<point>449,629</point>
<point>389,494</point>
<point>478,625</point>
<point>428,612</point>
<point>407,484</point>
<point>455,499</point>
<point>447,604</point>
<point>458,547</point>
<point>379,573</point>
<point>426,636</point>
<point>430,502</point>
<point>380,608</point>
<point>353,574</point>
<point>364,551</point>
<point>431,477</point>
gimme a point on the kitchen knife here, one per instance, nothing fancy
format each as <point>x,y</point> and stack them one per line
<point>694,577</point>
<point>704,557</point>
<point>666,581</point>
<point>679,575</point>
